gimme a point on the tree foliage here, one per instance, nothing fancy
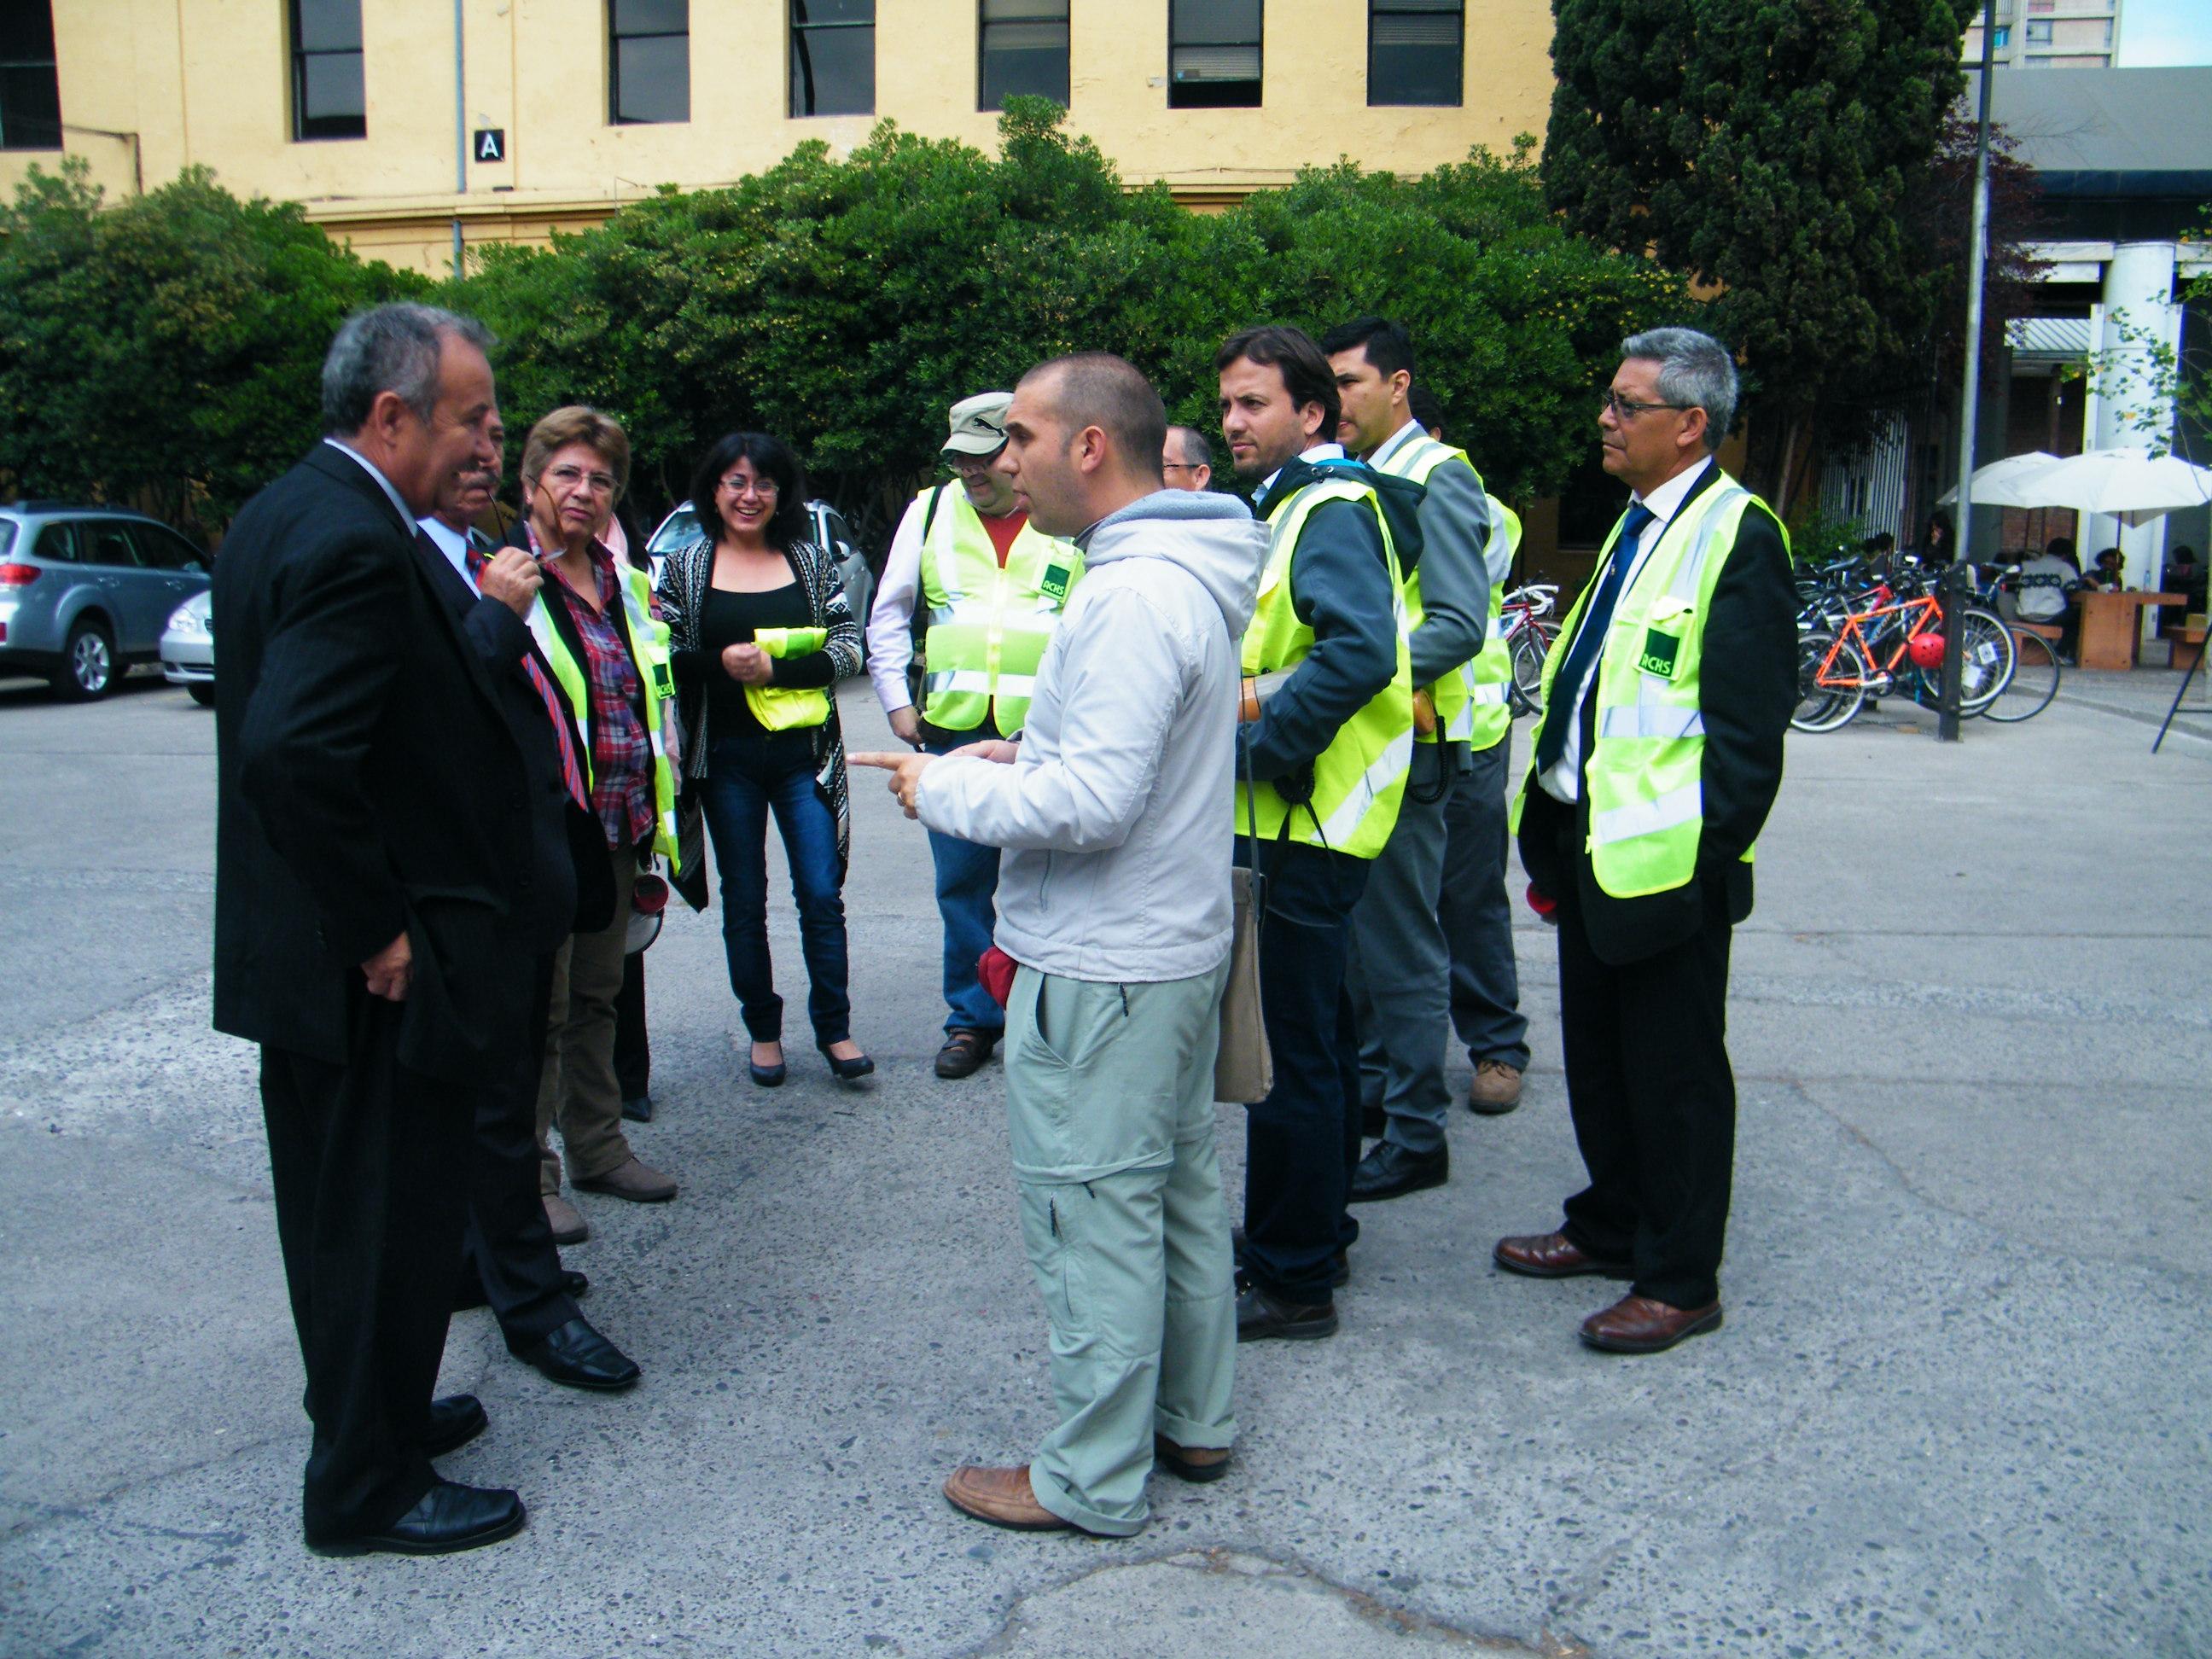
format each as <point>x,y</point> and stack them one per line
<point>165,352</point>
<point>1771,149</point>
<point>844,304</point>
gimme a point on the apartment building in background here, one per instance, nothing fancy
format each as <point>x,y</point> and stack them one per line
<point>549,114</point>
<point>2051,35</point>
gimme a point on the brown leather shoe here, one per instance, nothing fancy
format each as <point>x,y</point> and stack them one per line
<point>1195,1463</point>
<point>1552,1255</point>
<point>1002,1497</point>
<point>1496,1089</point>
<point>639,1182</point>
<point>1636,1324</point>
<point>566,1220</point>
<point>964,1052</point>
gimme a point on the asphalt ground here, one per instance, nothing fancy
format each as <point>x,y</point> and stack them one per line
<point>1959,1407</point>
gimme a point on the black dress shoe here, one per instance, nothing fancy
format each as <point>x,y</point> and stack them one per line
<point>577,1357</point>
<point>454,1421</point>
<point>766,1076</point>
<point>1391,1172</point>
<point>575,1284</point>
<point>965,1052</point>
<point>1338,1277</point>
<point>1261,1316</point>
<point>638,1109</point>
<point>848,1071</point>
<point>449,1518</point>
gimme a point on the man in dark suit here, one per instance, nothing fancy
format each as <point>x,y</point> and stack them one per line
<point>509,1261</point>
<point>1657,758</point>
<point>373,913</point>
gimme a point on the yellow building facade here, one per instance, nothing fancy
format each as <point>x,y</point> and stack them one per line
<point>148,86</point>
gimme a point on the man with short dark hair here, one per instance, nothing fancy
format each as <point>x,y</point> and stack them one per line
<point>1665,699</point>
<point>1327,742</point>
<point>970,579</point>
<point>374,912</point>
<point>1116,900</point>
<point>1188,460</point>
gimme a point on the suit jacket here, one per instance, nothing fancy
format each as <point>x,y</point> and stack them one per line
<point>366,783</point>
<point>1747,688</point>
<point>572,887</point>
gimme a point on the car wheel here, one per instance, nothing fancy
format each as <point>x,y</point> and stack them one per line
<point>201,692</point>
<point>88,669</point>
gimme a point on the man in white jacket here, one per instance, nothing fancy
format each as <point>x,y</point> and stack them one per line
<point>1114,899</point>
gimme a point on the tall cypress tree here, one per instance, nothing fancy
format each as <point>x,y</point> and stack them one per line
<point>1771,149</point>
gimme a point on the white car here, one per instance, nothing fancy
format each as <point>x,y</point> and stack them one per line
<point>681,527</point>
<point>188,648</point>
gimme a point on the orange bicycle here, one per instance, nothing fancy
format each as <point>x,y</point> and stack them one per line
<point>1896,641</point>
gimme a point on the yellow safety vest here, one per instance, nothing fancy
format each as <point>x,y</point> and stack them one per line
<point>1644,770</point>
<point>1471,699</point>
<point>1360,778</point>
<point>648,644</point>
<point>988,626</point>
<point>782,707</point>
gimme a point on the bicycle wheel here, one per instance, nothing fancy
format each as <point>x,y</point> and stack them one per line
<point>1985,662</point>
<point>1827,700</point>
<point>1530,646</point>
<point>2034,680</point>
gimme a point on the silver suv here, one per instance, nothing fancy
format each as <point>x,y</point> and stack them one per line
<point>86,591</point>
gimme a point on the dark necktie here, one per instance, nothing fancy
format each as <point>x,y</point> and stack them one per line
<point>1564,707</point>
<point>572,774</point>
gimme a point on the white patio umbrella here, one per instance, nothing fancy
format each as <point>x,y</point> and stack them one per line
<point>2130,484</point>
<point>1993,484</point>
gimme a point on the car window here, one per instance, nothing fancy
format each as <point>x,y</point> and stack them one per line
<point>109,543</point>
<point>679,529</point>
<point>57,542</point>
<point>6,536</point>
<point>168,550</point>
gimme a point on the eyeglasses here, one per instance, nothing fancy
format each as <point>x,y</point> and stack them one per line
<point>1627,408</point>
<point>737,485</point>
<point>567,477</point>
<point>969,466</point>
<point>1179,466</point>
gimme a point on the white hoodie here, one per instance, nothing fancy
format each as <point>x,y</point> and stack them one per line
<point>1117,812</point>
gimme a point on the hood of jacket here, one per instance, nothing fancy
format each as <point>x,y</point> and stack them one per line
<point>1213,536</point>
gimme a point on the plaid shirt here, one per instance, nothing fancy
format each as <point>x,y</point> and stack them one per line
<point>622,756</point>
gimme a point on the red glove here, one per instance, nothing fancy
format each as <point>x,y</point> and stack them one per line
<point>996,970</point>
<point>1546,907</point>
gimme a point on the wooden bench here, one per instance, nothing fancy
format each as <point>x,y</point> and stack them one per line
<point>2184,647</point>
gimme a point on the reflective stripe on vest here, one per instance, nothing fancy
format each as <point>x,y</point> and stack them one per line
<point>1360,778</point>
<point>1644,770</point>
<point>1472,704</point>
<point>649,654</point>
<point>988,626</point>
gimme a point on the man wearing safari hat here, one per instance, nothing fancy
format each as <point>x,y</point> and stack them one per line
<point>970,593</point>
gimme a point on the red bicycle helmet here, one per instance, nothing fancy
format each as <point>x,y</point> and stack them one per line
<point>1927,650</point>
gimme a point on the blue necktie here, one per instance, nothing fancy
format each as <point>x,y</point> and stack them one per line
<point>1564,706</point>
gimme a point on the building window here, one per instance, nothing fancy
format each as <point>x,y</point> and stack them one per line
<point>1415,49</point>
<point>1023,52</point>
<point>1214,54</point>
<point>328,100</point>
<point>833,56</point>
<point>649,61</point>
<point>2003,38</point>
<point>2039,35</point>
<point>30,92</point>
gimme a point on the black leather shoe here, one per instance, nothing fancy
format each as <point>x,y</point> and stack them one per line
<point>767,1077</point>
<point>1337,1279</point>
<point>454,1421</point>
<point>1261,1316</point>
<point>577,1357</point>
<point>449,1518</point>
<point>639,1108</point>
<point>1391,1172</point>
<point>848,1071</point>
<point>575,1284</point>
<point>965,1052</point>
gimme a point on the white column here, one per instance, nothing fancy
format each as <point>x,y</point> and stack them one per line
<point>2132,411</point>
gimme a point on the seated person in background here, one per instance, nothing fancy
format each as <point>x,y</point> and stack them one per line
<point>2107,573</point>
<point>2044,583</point>
<point>2185,576</point>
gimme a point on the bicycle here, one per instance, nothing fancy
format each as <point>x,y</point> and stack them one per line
<point>1873,651</point>
<point>1523,624</point>
<point>2034,681</point>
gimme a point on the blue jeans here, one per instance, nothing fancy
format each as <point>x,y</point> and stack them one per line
<point>743,784</point>
<point>966,881</point>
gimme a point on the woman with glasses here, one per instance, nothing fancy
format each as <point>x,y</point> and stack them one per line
<point>761,632</point>
<point>607,653</point>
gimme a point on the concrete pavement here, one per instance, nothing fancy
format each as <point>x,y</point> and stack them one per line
<point>1958,1407</point>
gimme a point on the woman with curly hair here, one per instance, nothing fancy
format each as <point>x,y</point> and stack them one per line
<point>760,633</point>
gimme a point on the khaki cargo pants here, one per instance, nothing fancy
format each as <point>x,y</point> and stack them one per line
<point>1109,1101</point>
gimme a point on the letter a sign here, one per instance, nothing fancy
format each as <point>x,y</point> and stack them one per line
<point>492,143</point>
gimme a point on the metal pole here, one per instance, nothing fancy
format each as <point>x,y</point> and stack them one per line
<point>460,137</point>
<point>1952,590</point>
